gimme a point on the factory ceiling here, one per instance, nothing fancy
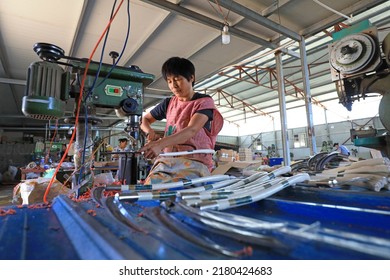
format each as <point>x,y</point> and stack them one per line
<point>241,76</point>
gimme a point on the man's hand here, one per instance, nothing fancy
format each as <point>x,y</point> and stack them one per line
<point>152,149</point>
<point>151,136</point>
<point>115,156</point>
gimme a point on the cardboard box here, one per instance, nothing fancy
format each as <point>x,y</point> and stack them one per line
<point>223,168</point>
<point>100,163</point>
<point>226,155</point>
<point>105,163</point>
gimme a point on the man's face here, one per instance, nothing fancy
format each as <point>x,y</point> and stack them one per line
<point>122,144</point>
<point>179,85</point>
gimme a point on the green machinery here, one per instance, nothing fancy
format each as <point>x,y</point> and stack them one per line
<point>360,66</point>
<point>57,78</point>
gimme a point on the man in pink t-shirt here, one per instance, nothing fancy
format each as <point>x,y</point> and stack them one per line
<point>193,123</point>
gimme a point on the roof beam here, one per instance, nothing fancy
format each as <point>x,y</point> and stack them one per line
<point>13,81</point>
<point>209,22</point>
<point>232,104</point>
<point>87,7</point>
<point>334,19</point>
<point>274,7</point>
<point>255,17</point>
<point>253,78</point>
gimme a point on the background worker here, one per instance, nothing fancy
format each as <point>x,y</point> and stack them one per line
<point>62,152</point>
<point>192,123</point>
<point>122,147</point>
<point>341,149</point>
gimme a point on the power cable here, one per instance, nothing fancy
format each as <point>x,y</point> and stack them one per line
<point>79,103</point>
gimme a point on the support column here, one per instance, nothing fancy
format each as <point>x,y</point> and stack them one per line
<point>327,126</point>
<point>306,89</point>
<point>282,108</point>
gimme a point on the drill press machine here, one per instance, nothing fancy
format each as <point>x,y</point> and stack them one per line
<point>57,78</point>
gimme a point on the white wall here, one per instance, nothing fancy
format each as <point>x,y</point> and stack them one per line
<point>333,132</point>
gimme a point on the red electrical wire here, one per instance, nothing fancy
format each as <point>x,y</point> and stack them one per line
<point>79,104</point>
<point>51,142</point>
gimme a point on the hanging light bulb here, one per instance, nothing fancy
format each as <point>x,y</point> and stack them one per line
<point>225,35</point>
<point>70,131</point>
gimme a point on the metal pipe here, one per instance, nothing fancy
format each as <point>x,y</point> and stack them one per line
<point>282,106</point>
<point>232,219</point>
<point>257,18</point>
<point>201,151</point>
<point>261,177</point>
<point>332,10</point>
<point>239,194</point>
<point>13,81</point>
<point>180,184</point>
<point>208,187</point>
<point>199,192</point>
<point>83,152</point>
<point>255,182</point>
<point>209,22</point>
<point>162,195</point>
<point>231,203</point>
<point>306,89</point>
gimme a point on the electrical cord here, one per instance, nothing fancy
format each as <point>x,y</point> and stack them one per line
<point>88,94</point>
<point>78,107</point>
<point>124,45</point>
<point>108,74</point>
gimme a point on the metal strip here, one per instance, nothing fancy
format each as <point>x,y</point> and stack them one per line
<point>91,240</point>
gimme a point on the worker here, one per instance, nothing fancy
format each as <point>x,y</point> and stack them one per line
<point>122,147</point>
<point>192,123</point>
<point>62,152</point>
<point>341,149</point>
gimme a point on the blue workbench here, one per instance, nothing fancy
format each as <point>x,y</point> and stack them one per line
<point>316,223</point>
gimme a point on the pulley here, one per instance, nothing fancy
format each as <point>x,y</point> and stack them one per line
<point>352,53</point>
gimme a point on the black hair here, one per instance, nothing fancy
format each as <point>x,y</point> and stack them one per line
<point>335,144</point>
<point>178,66</point>
<point>123,140</point>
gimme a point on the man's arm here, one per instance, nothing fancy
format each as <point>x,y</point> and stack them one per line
<point>153,149</point>
<point>146,126</point>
